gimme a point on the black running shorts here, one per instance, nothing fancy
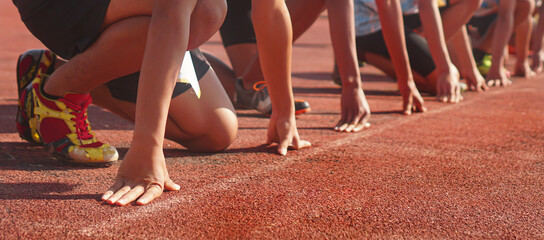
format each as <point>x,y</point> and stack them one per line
<point>483,23</point>
<point>238,27</point>
<point>65,27</point>
<point>126,88</point>
<point>419,53</point>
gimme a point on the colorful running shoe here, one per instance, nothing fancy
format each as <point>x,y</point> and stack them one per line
<point>29,65</point>
<point>62,125</point>
<point>258,99</point>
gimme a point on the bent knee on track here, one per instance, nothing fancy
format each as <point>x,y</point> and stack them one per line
<point>210,135</point>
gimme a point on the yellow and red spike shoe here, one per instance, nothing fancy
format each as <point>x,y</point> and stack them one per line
<point>64,129</point>
<point>29,65</point>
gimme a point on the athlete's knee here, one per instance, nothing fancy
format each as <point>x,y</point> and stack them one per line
<point>211,134</point>
<point>221,131</point>
<point>219,140</point>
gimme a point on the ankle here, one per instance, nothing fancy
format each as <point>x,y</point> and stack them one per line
<point>46,90</point>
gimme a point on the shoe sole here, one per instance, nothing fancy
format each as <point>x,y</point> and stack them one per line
<point>61,157</point>
<point>303,111</point>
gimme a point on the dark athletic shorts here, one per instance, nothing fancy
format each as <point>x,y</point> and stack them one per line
<point>419,53</point>
<point>238,27</point>
<point>69,27</point>
<point>65,27</point>
<point>482,23</point>
<point>126,88</point>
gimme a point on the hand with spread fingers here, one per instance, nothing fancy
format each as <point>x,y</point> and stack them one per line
<point>411,98</point>
<point>476,82</point>
<point>140,179</point>
<point>355,111</point>
<point>496,78</point>
<point>447,86</point>
<point>522,69</point>
<point>283,131</point>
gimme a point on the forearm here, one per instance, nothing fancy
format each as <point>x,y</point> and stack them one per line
<point>432,25</point>
<point>523,36</point>
<point>539,31</point>
<point>393,34</point>
<point>273,30</point>
<point>166,45</point>
<point>460,46</point>
<point>505,22</point>
<point>342,28</point>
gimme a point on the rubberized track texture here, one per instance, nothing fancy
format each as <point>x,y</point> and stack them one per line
<point>466,171</point>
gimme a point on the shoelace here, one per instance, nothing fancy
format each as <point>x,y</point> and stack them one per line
<point>80,117</point>
<point>260,85</point>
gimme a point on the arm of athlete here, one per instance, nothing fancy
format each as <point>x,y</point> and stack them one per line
<point>447,86</point>
<point>274,34</point>
<point>393,33</point>
<point>505,22</point>
<point>461,47</point>
<point>142,174</point>
<point>355,111</point>
<point>523,33</point>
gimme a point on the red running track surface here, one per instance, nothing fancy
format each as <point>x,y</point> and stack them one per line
<point>470,170</point>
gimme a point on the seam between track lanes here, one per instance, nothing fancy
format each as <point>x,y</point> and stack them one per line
<point>106,227</point>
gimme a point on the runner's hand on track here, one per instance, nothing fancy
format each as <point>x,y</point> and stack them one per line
<point>283,130</point>
<point>142,175</point>
<point>447,86</point>
<point>523,69</point>
<point>476,82</point>
<point>355,111</point>
<point>497,78</point>
<point>411,98</point>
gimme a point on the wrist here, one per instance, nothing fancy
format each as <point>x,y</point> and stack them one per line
<point>352,82</point>
<point>146,141</point>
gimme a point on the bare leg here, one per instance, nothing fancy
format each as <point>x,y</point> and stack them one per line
<point>228,76</point>
<point>244,59</point>
<point>119,49</point>
<point>457,15</point>
<point>212,124</point>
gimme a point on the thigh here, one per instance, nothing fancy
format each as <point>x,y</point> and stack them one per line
<point>303,14</point>
<point>205,20</point>
<point>205,124</point>
<point>241,56</point>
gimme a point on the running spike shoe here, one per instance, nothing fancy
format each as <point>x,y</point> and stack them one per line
<point>259,99</point>
<point>62,125</point>
<point>29,65</point>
